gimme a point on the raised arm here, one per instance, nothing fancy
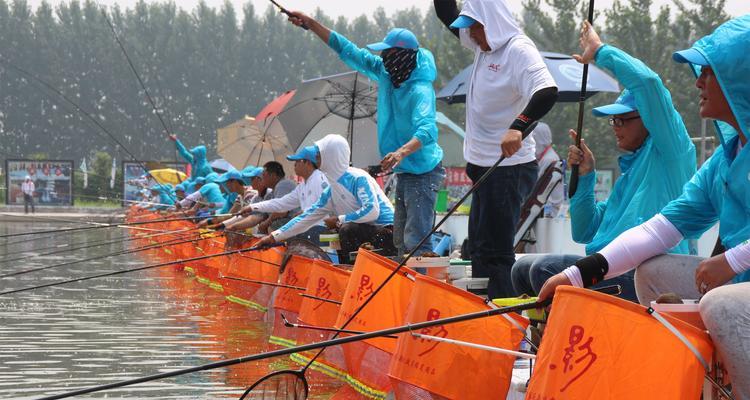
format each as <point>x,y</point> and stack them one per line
<point>447,11</point>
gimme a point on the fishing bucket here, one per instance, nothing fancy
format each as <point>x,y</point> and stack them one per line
<point>598,346</point>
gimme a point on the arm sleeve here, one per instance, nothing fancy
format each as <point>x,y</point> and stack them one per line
<point>183,151</point>
<point>447,12</point>
<point>307,219</point>
<point>739,258</point>
<point>356,58</point>
<point>190,199</point>
<point>423,115</point>
<point>585,213</point>
<point>283,204</point>
<point>633,247</point>
<point>369,209</point>
<point>663,122</point>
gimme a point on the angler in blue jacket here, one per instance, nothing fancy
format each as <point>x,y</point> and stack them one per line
<point>407,131</point>
<point>164,195</point>
<point>660,159</point>
<point>353,203</point>
<point>719,192</point>
<point>196,157</point>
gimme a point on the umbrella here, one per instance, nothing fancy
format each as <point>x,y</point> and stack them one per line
<point>168,175</point>
<point>344,104</point>
<point>221,165</point>
<point>244,143</point>
<point>565,70</point>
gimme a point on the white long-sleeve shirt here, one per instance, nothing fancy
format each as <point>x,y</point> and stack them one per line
<point>302,197</point>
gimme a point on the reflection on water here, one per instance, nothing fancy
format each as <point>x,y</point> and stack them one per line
<point>106,330</point>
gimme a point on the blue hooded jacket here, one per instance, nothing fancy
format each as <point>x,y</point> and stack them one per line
<point>166,196</point>
<point>403,113</point>
<point>651,176</point>
<point>211,192</point>
<point>720,191</point>
<point>197,159</point>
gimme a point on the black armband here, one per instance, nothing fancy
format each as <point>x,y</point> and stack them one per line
<point>521,123</point>
<point>593,269</point>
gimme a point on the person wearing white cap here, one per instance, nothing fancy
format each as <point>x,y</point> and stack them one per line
<point>27,188</point>
<point>509,89</point>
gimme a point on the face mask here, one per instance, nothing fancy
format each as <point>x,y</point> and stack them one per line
<point>399,63</point>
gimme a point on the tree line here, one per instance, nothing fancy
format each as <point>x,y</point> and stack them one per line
<point>207,67</point>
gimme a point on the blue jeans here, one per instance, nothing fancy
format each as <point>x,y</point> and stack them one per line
<point>415,209</point>
<point>495,209</point>
<point>530,272</point>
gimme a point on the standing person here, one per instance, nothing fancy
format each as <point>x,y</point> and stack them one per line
<point>28,188</point>
<point>353,203</point>
<point>509,88</point>
<point>659,160</point>
<point>407,131</point>
<point>718,192</point>
<point>548,158</point>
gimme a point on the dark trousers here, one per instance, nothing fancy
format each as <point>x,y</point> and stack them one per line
<point>495,209</point>
<point>28,200</point>
<point>352,235</point>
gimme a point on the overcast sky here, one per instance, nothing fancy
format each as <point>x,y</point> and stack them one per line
<point>353,8</point>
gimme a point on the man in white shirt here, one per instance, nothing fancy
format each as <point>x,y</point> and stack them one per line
<point>304,195</point>
<point>509,88</point>
<point>27,187</point>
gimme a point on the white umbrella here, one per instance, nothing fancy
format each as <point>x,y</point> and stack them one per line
<point>343,104</point>
<point>244,143</point>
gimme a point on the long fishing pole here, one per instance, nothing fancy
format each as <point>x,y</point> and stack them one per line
<point>43,218</point>
<point>121,239</point>
<point>164,264</point>
<point>175,241</point>
<point>573,184</point>
<point>104,226</point>
<point>403,262</point>
<point>307,347</point>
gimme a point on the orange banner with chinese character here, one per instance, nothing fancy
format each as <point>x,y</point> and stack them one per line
<point>297,273</point>
<point>388,308</point>
<point>326,282</point>
<point>598,346</point>
<point>425,366</point>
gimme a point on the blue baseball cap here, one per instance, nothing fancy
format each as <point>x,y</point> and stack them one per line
<point>200,180</point>
<point>691,55</point>
<point>232,175</point>
<point>463,21</point>
<point>623,105</point>
<point>250,172</point>
<point>179,187</point>
<point>308,153</point>
<point>397,37</point>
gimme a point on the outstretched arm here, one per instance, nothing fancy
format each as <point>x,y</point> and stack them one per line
<point>447,11</point>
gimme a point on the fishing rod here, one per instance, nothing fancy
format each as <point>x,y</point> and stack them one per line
<point>80,221</point>
<point>314,346</point>
<point>290,324</point>
<point>288,13</point>
<point>104,226</point>
<point>175,241</point>
<point>185,260</point>
<point>121,239</point>
<point>424,239</point>
<point>573,184</point>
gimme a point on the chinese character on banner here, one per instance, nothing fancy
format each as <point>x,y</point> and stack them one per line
<point>323,291</point>
<point>440,331</point>
<point>578,358</point>
<point>365,288</point>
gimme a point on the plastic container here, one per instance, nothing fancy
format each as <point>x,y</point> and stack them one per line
<point>435,267</point>
<point>514,301</point>
<point>688,312</point>
<point>441,203</point>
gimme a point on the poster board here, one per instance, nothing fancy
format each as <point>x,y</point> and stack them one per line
<point>53,181</point>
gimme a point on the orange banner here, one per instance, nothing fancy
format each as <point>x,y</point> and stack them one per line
<point>388,308</point>
<point>327,282</point>
<point>597,346</point>
<point>427,365</point>
<point>296,273</point>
